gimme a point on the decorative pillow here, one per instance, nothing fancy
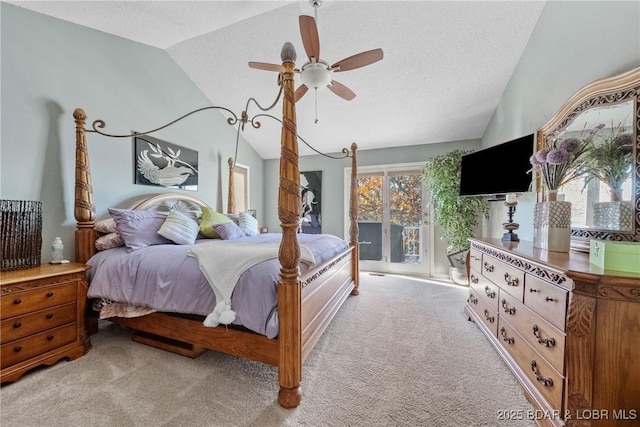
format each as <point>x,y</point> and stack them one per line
<point>180,228</point>
<point>139,228</point>
<point>108,241</point>
<point>233,217</point>
<point>105,226</point>
<point>229,231</point>
<point>210,218</point>
<point>248,224</point>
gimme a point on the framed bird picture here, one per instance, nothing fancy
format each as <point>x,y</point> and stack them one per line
<point>162,164</point>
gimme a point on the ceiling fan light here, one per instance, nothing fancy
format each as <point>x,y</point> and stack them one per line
<point>316,76</point>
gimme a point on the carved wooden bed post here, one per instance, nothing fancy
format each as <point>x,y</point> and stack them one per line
<point>84,209</point>
<point>289,287</point>
<point>231,198</point>
<point>353,219</point>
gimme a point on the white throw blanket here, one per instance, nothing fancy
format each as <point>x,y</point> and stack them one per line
<point>223,264</point>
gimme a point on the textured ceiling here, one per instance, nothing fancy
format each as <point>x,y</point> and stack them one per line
<point>445,66</point>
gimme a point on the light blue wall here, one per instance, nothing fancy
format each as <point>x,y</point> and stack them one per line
<point>333,185</point>
<point>573,44</point>
<point>49,68</point>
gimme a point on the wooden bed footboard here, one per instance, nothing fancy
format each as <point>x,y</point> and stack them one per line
<point>306,304</point>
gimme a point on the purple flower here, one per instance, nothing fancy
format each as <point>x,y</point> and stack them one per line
<point>570,145</point>
<point>534,161</point>
<point>541,155</point>
<point>557,156</point>
<point>600,126</point>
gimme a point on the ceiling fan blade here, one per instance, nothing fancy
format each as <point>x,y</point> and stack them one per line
<point>359,60</point>
<point>299,93</point>
<point>309,34</point>
<point>266,66</point>
<point>341,90</point>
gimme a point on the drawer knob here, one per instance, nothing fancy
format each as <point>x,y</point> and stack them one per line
<point>489,292</point>
<point>533,290</point>
<point>548,342</point>
<point>50,338</point>
<point>17,325</point>
<point>49,294</point>
<point>505,338</point>
<point>49,316</point>
<point>490,319</point>
<point>549,299</point>
<point>472,299</point>
<point>18,349</point>
<point>547,382</point>
<point>507,309</point>
<point>488,267</point>
<point>474,279</point>
<point>511,282</point>
<point>17,301</point>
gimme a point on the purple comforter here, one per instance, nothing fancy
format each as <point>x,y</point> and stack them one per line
<point>167,279</point>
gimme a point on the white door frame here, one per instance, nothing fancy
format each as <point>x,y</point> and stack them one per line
<point>427,231</point>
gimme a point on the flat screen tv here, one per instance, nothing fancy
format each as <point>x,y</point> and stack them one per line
<point>498,170</point>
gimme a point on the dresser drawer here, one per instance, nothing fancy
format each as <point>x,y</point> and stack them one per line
<point>507,277</point>
<point>547,300</point>
<point>19,303</point>
<point>475,259</point>
<point>34,345</point>
<point>484,311</point>
<point>541,335</point>
<point>544,377</point>
<point>27,324</point>
<point>486,290</point>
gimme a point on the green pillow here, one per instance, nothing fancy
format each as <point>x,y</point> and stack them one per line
<point>210,218</point>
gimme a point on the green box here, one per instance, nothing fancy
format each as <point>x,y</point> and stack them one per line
<point>611,255</point>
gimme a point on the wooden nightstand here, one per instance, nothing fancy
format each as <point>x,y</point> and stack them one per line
<point>42,311</point>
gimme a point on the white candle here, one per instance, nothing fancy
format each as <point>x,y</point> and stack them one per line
<point>511,198</point>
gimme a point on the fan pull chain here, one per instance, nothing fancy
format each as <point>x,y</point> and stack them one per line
<point>315,95</point>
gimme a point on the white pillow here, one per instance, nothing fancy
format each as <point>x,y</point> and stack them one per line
<point>180,228</point>
<point>248,224</point>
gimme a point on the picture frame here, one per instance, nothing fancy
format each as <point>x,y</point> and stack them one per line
<point>311,202</point>
<point>458,259</point>
<point>160,163</point>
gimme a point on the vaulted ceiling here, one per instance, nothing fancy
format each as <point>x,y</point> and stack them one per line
<point>445,66</point>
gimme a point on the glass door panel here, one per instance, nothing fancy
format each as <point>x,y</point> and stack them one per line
<point>392,233</point>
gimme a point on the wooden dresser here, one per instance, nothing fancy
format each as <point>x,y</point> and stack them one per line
<point>42,311</point>
<point>569,331</point>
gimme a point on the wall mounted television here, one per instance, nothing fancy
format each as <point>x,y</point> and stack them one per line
<point>498,170</point>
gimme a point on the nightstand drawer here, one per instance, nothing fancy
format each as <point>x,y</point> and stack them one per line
<point>19,303</point>
<point>27,324</point>
<point>507,277</point>
<point>34,345</point>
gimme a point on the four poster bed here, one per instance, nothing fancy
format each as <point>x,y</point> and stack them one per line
<point>306,302</point>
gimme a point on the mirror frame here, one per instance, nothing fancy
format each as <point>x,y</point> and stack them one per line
<point>607,91</point>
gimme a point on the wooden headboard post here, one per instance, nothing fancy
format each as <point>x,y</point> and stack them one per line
<point>231,198</point>
<point>353,219</point>
<point>84,209</point>
<point>289,286</point>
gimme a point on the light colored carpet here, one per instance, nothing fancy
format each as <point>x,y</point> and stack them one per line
<point>399,354</point>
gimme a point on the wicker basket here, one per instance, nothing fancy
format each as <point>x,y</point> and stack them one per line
<point>21,227</point>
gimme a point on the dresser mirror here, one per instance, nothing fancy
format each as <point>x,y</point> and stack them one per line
<point>603,111</point>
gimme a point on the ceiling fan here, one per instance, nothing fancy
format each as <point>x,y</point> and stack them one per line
<point>317,73</point>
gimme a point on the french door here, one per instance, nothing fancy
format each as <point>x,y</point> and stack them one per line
<point>393,231</point>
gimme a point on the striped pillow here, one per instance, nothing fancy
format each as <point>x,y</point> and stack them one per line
<point>180,228</point>
<point>248,224</point>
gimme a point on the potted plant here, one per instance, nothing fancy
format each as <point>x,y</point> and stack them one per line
<point>457,216</point>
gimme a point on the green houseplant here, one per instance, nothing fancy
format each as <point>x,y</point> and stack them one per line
<point>457,216</point>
